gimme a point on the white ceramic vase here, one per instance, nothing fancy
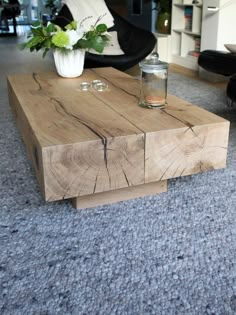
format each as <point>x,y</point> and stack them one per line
<point>70,64</point>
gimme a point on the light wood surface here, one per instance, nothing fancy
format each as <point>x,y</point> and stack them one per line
<point>84,143</point>
<point>121,194</point>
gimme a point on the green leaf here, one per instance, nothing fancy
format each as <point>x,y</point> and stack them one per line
<point>44,31</point>
<point>97,44</point>
<point>45,52</point>
<point>82,43</point>
<point>74,25</point>
<point>37,31</point>
<point>89,34</point>
<point>47,43</point>
<point>34,42</point>
<point>71,26</point>
<point>38,47</point>
<point>51,28</point>
<point>36,24</point>
<point>101,28</point>
<point>68,27</point>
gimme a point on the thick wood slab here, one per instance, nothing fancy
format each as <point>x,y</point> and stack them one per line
<point>84,143</point>
<point>122,194</point>
<point>199,146</point>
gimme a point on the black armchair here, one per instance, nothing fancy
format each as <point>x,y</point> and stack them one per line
<point>223,63</point>
<point>136,43</point>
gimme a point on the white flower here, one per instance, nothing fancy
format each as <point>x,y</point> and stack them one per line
<point>80,31</point>
<point>74,36</point>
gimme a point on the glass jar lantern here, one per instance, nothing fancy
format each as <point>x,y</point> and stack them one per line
<point>153,89</point>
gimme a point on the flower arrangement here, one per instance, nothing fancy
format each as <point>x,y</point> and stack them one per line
<point>74,36</point>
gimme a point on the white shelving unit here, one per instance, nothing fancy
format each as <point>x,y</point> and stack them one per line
<point>213,23</point>
<point>186,32</point>
<point>164,46</point>
<point>218,24</point>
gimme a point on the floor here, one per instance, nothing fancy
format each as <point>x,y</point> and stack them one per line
<point>21,30</point>
<point>185,71</point>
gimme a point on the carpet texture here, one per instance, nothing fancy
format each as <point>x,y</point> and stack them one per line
<point>173,253</point>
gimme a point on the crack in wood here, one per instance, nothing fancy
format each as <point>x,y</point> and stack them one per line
<point>53,124</point>
<point>200,166</point>
<point>176,170</point>
<point>78,194</point>
<point>123,154</point>
<point>126,178</point>
<point>95,184</point>
<point>104,142</point>
<point>68,189</point>
<point>182,171</point>
<point>126,158</point>
<point>59,183</point>
<point>161,178</point>
<point>168,153</point>
<point>109,177</point>
<point>86,124</point>
<point>217,146</point>
<point>34,75</point>
<point>103,138</point>
<point>183,121</point>
<point>51,198</point>
<point>193,131</point>
<point>108,105</point>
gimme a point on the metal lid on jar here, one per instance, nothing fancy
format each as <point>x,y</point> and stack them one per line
<point>153,63</point>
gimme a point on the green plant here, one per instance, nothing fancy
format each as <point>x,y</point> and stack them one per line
<point>74,36</point>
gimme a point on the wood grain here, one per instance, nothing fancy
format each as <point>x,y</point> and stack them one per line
<point>201,145</point>
<point>84,143</point>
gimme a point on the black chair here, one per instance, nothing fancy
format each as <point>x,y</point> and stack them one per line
<point>136,43</point>
<point>223,63</point>
<point>10,11</point>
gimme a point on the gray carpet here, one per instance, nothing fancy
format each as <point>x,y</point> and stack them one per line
<point>173,253</point>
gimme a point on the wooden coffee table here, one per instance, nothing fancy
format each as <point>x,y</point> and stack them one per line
<point>101,147</point>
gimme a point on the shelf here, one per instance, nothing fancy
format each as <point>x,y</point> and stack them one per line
<point>195,28</point>
<point>188,61</point>
<point>187,32</point>
<point>187,5</point>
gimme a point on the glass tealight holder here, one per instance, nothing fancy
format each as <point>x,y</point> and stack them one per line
<point>95,82</point>
<point>84,86</point>
<point>100,86</point>
<point>153,82</point>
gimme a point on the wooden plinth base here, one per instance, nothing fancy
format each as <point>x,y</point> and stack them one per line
<point>112,196</point>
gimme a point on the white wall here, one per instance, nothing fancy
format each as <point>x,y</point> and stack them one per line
<point>219,24</point>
